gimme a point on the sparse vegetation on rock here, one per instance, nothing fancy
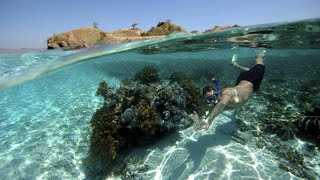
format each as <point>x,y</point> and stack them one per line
<point>95,24</point>
<point>134,25</point>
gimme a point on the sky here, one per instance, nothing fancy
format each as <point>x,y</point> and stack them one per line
<point>28,23</point>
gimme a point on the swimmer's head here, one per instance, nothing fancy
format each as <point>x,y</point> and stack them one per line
<point>211,95</point>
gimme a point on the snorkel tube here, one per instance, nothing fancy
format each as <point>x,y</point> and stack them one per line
<point>216,85</point>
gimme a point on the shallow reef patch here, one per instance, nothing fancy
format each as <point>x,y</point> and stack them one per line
<point>277,121</point>
<point>140,112</point>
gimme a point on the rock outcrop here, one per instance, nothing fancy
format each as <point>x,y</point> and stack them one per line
<point>133,32</point>
<point>164,28</point>
<point>89,37</point>
<point>220,28</point>
<point>82,37</point>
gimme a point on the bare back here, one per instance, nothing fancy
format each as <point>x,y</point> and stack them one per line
<point>239,94</point>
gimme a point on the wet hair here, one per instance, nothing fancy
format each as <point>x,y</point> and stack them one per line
<point>207,89</point>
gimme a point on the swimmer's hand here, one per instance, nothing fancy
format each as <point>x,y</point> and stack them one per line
<point>199,124</point>
<point>202,125</point>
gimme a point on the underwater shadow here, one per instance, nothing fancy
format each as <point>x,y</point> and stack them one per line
<point>100,170</point>
<point>197,149</point>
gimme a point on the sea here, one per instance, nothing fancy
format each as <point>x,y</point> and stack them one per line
<point>48,98</point>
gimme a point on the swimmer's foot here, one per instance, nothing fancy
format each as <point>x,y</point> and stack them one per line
<point>262,53</point>
<point>234,59</point>
<point>235,63</point>
<point>260,57</point>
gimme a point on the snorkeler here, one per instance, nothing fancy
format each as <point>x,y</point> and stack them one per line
<point>231,97</point>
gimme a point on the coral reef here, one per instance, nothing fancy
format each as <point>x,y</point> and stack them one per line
<point>194,99</point>
<point>102,89</point>
<point>105,140</point>
<point>128,117</point>
<point>148,123</point>
<point>280,114</point>
<point>271,135</point>
<point>140,112</point>
<point>147,75</point>
<point>281,123</point>
<point>171,102</point>
<point>309,125</point>
<point>291,160</point>
<point>278,122</point>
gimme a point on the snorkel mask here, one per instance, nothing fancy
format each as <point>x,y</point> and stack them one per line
<point>213,98</point>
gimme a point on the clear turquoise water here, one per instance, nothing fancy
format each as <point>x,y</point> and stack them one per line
<point>48,98</point>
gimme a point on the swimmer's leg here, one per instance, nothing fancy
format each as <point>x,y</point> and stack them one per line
<point>235,63</point>
<point>260,57</point>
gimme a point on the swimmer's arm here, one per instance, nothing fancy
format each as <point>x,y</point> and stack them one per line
<point>219,107</point>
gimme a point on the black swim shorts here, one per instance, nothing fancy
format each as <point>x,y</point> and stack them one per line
<point>254,75</point>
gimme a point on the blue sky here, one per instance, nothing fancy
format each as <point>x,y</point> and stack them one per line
<point>28,23</point>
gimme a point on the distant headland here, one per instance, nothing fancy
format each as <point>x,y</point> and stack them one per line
<point>20,50</point>
<point>86,37</point>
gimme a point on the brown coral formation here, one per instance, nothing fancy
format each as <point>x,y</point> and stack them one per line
<point>102,89</point>
<point>140,112</point>
<point>145,114</point>
<point>194,98</point>
<point>104,138</point>
<point>147,75</point>
<point>309,125</point>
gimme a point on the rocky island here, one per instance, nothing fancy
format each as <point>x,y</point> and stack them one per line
<point>91,36</point>
<point>86,37</point>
